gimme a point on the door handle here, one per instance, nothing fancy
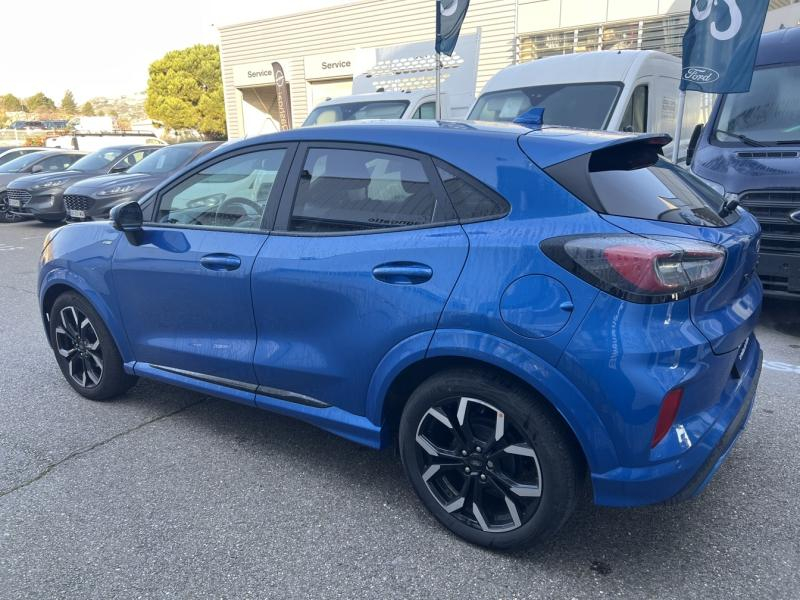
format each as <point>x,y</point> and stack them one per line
<point>221,262</point>
<point>402,273</point>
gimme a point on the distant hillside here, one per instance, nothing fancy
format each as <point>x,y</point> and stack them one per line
<point>130,107</point>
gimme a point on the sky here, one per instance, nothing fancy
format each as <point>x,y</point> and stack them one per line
<point>99,48</point>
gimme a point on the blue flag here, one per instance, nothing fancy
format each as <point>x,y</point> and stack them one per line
<point>449,17</point>
<point>720,45</point>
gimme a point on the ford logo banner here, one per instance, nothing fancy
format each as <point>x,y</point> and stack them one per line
<point>795,216</point>
<point>720,45</point>
<point>700,74</point>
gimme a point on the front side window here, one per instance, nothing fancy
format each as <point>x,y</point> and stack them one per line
<point>585,105</point>
<point>357,111</point>
<point>231,193</point>
<point>352,190</point>
<point>426,111</point>
<point>133,158</point>
<point>635,118</point>
<point>768,114</point>
<point>60,162</point>
<point>166,160</point>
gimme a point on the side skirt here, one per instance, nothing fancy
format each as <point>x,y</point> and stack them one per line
<point>355,428</point>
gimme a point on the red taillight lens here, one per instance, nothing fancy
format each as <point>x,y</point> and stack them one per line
<point>666,416</point>
<point>640,269</point>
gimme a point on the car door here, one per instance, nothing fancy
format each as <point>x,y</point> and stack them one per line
<point>184,291</point>
<point>364,255</point>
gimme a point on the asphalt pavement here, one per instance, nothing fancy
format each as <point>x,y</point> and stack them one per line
<point>170,494</point>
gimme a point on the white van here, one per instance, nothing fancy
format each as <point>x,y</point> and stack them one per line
<point>618,90</point>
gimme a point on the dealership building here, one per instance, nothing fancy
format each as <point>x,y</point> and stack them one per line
<point>320,52</point>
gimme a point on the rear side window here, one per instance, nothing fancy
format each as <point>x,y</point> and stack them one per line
<point>634,180</point>
<point>352,190</point>
<point>471,202</point>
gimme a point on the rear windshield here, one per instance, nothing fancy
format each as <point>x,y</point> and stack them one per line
<point>634,180</point>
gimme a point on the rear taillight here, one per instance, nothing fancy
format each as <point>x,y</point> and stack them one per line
<point>639,269</point>
<point>666,416</point>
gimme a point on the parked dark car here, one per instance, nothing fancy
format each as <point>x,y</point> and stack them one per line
<point>9,154</point>
<point>42,195</point>
<point>93,198</point>
<point>46,161</point>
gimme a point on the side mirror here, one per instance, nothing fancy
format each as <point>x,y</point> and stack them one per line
<point>698,129</point>
<point>119,168</point>
<point>37,169</point>
<point>128,219</point>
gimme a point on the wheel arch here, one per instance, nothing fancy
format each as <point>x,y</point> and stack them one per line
<point>471,349</point>
<point>57,284</point>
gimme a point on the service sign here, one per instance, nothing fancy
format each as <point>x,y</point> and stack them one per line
<point>331,65</point>
<point>258,74</point>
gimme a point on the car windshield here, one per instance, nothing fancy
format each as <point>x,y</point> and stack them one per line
<point>164,160</point>
<point>769,113</point>
<point>585,105</point>
<point>20,164</point>
<point>97,160</point>
<point>357,111</point>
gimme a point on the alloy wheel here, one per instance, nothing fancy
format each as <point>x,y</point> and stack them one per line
<point>478,465</point>
<point>78,344</point>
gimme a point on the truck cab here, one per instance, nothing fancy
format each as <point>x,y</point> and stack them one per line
<point>749,151</point>
<point>616,90</point>
<point>418,104</point>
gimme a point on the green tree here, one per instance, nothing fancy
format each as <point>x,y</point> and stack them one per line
<point>87,109</point>
<point>184,91</point>
<point>68,104</point>
<point>40,102</point>
<point>10,103</point>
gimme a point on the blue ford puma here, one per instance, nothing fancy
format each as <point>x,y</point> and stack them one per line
<point>525,310</point>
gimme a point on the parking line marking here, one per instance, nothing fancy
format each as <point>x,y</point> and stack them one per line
<point>774,365</point>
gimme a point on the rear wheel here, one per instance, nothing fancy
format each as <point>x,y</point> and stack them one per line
<point>491,461</point>
<point>85,350</point>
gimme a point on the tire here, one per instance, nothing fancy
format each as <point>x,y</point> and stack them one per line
<point>85,351</point>
<point>534,463</point>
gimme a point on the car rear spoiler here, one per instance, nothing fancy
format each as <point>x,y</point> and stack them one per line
<point>552,145</point>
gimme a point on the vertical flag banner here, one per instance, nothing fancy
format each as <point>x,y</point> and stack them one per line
<point>284,101</point>
<point>720,45</point>
<point>449,17</point>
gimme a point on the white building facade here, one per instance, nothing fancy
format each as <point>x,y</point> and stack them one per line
<point>321,51</point>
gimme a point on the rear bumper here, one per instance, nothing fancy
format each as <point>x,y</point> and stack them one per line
<point>687,475</point>
<point>780,274</point>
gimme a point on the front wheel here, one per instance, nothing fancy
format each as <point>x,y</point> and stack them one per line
<point>85,350</point>
<point>490,460</point>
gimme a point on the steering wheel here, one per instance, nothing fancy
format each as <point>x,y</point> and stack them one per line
<point>233,210</point>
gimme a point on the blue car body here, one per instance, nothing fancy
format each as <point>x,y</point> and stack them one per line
<point>307,325</point>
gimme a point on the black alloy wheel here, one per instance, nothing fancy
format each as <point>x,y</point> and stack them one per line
<point>492,461</point>
<point>79,345</point>
<point>480,468</point>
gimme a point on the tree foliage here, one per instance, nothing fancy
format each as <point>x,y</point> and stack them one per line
<point>39,102</point>
<point>87,109</point>
<point>10,103</point>
<point>184,91</point>
<point>68,104</point>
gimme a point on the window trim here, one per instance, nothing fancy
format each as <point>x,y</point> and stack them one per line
<point>281,224</point>
<point>631,99</point>
<point>267,219</point>
<point>481,187</point>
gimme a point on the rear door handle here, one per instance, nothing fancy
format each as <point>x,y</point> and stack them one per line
<point>402,273</point>
<point>221,262</point>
